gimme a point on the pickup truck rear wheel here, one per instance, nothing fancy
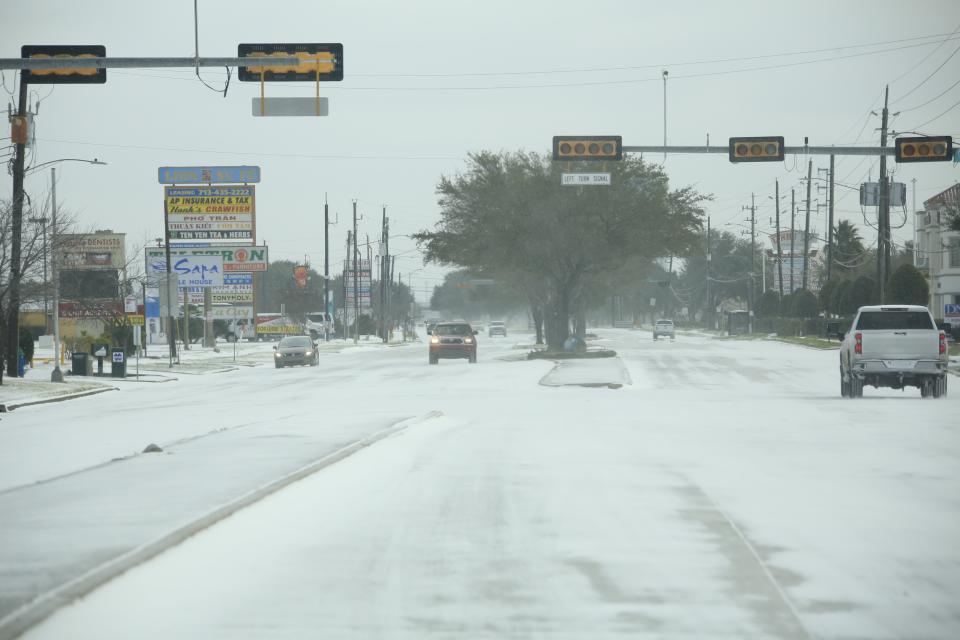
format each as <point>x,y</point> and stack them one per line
<point>939,387</point>
<point>844,387</point>
<point>856,387</point>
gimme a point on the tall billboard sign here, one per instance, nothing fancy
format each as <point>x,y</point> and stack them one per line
<point>210,212</point>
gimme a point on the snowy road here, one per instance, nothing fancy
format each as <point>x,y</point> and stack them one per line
<point>725,491</point>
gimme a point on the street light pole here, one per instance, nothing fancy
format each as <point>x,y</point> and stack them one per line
<point>57,375</point>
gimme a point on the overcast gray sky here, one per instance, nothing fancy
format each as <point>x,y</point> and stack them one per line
<point>428,82</point>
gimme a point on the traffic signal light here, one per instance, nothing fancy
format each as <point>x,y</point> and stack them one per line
<point>326,57</point>
<point>756,149</point>
<point>64,75</point>
<point>587,148</point>
<point>925,149</point>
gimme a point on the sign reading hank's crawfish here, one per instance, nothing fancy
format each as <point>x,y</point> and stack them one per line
<point>210,213</point>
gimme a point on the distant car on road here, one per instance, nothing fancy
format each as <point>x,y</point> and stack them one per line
<point>893,346</point>
<point>295,350</point>
<point>497,328</point>
<point>453,340</point>
<point>664,328</point>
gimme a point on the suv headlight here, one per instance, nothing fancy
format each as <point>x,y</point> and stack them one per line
<point>468,340</point>
<point>276,354</point>
<point>434,340</point>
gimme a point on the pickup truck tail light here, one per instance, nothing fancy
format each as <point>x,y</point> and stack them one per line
<point>858,348</point>
<point>943,343</point>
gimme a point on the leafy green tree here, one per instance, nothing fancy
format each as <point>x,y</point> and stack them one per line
<point>509,212</point>
<point>729,271</point>
<point>848,247</point>
<point>908,286</point>
<point>461,296</point>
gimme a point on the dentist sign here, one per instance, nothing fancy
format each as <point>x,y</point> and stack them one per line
<point>190,271</point>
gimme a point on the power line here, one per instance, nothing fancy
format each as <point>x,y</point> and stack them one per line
<point>924,58</point>
<point>937,117</point>
<point>940,95</point>
<point>932,73</point>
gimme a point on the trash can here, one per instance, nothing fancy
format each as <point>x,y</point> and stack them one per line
<point>80,364</point>
<point>21,364</point>
<point>118,363</point>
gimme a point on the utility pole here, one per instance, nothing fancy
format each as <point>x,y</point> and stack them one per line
<point>806,228</point>
<point>753,253</point>
<point>913,217</point>
<point>830,224</point>
<point>384,237</point>
<point>16,223</point>
<point>883,217</point>
<point>356,282</point>
<point>326,268</point>
<point>709,305</point>
<point>346,270</point>
<point>171,296</point>
<point>793,231</point>
<point>57,375</point>
<point>776,201</point>
<point>665,73</point>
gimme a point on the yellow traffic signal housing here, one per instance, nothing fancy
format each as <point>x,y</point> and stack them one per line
<point>756,149</point>
<point>321,62</point>
<point>64,75</point>
<point>925,149</point>
<point>588,148</point>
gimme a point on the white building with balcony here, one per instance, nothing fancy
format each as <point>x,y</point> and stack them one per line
<point>938,252</point>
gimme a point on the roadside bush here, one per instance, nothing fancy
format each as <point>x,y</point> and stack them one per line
<point>769,305</point>
<point>25,342</point>
<point>793,327</point>
<point>803,304</point>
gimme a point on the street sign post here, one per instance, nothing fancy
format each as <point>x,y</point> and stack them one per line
<point>280,107</point>
<point>585,179</point>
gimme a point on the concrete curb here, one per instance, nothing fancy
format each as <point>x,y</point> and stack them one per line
<point>20,620</point>
<point>7,407</point>
<point>626,379</point>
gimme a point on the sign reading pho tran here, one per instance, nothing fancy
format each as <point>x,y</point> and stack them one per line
<point>234,258</point>
<point>210,213</point>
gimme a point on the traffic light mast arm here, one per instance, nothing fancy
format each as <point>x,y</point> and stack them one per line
<point>822,151</point>
<point>40,64</point>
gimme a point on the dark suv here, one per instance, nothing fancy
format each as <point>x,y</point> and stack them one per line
<point>453,340</point>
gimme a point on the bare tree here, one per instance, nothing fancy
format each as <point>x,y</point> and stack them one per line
<point>39,244</point>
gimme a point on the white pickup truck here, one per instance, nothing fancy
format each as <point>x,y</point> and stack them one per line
<point>893,346</point>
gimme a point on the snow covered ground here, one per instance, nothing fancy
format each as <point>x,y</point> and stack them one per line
<point>726,490</point>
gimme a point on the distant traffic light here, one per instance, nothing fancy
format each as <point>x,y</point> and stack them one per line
<point>587,148</point>
<point>324,59</point>
<point>756,149</point>
<point>925,149</point>
<point>64,75</point>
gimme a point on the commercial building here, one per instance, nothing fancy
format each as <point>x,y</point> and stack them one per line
<point>938,252</point>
